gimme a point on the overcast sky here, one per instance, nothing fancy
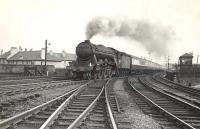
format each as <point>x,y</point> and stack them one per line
<point>27,23</point>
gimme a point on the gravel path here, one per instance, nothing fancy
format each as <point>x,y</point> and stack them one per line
<point>138,119</point>
<point>44,96</point>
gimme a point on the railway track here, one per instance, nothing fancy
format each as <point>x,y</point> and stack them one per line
<point>84,106</point>
<point>34,117</point>
<point>190,90</point>
<point>9,105</point>
<point>24,81</point>
<point>167,109</point>
<point>26,88</point>
<point>98,116</point>
<point>122,121</point>
<point>189,94</point>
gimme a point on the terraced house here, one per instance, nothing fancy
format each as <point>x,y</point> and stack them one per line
<point>37,57</point>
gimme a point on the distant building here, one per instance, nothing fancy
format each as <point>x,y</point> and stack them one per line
<point>65,57</point>
<point>186,59</point>
<point>187,68</point>
<point>4,57</point>
<point>17,56</point>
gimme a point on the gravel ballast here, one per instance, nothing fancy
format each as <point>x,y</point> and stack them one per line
<point>130,109</point>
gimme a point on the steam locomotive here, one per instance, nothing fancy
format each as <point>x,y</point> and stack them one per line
<point>99,62</point>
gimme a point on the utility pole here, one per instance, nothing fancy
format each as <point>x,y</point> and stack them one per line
<point>45,59</point>
<point>197,59</point>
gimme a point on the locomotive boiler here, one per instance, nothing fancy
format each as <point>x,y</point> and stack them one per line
<point>97,62</point>
<point>94,61</point>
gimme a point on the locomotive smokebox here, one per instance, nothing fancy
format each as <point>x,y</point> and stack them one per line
<point>84,49</point>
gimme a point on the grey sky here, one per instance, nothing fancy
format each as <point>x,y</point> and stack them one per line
<point>28,23</point>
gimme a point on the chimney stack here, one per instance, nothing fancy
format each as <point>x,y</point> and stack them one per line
<point>63,53</point>
<point>13,51</point>
<point>20,49</point>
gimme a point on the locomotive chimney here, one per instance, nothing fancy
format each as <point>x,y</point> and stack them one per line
<point>87,41</point>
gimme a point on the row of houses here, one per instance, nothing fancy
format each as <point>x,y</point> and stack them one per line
<point>36,57</point>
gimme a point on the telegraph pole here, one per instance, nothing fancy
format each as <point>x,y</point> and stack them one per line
<point>45,59</point>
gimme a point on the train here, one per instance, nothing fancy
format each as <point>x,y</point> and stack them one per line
<point>99,62</point>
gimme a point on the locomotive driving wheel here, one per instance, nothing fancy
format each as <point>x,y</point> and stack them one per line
<point>89,75</point>
<point>74,75</point>
<point>95,75</point>
<point>84,76</point>
<point>103,74</point>
<point>110,73</point>
<point>99,74</point>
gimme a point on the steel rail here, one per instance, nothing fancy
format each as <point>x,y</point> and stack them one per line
<point>170,96</point>
<point>28,89</point>
<point>76,122</point>
<point>196,91</point>
<point>179,96</point>
<point>24,77</point>
<point>91,106</point>
<point>37,83</point>
<point>17,118</point>
<point>81,117</point>
<point>55,114</point>
<point>117,104</point>
<point>160,108</point>
<point>114,125</point>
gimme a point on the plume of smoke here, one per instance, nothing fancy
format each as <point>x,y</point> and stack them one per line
<point>155,38</point>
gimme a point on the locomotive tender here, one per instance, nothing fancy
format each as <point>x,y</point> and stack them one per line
<point>98,62</point>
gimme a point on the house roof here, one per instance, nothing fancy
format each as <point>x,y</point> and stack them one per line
<point>65,56</point>
<point>33,55</point>
<point>5,55</point>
